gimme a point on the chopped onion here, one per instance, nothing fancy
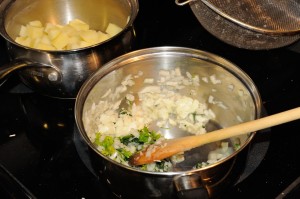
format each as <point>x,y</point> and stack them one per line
<point>161,102</point>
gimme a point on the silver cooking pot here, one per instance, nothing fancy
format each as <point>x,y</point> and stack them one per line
<point>236,99</point>
<point>61,73</point>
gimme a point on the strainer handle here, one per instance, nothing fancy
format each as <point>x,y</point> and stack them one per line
<point>183,2</point>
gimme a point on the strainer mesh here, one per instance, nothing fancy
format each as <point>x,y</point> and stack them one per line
<point>274,15</point>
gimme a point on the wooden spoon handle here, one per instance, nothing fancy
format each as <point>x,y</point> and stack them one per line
<point>243,128</point>
<point>174,146</point>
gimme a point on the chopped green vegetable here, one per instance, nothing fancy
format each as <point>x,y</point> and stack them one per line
<point>129,139</point>
<point>198,166</point>
<point>143,167</point>
<point>236,146</point>
<point>162,165</point>
<point>122,148</point>
<point>147,136</point>
<point>97,139</point>
<point>144,135</point>
<point>125,153</point>
<point>107,144</point>
<point>155,136</point>
<point>126,139</point>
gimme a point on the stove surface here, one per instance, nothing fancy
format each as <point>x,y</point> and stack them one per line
<point>40,151</point>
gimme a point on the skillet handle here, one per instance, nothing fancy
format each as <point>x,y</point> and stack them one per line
<point>189,186</point>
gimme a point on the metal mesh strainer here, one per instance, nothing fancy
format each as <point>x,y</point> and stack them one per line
<point>264,16</point>
<point>280,32</point>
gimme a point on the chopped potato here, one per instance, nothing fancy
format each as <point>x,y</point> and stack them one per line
<point>45,39</point>
<point>75,34</point>
<point>79,25</point>
<point>113,29</point>
<point>74,39</point>
<point>102,36</point>
<point>70,31</point>
<point>61,41</point>
<point>34,32</point>
<point>89,36</point>
<point>23,31</point>
<point>53,33</point>
<point>73,46</point>
<point>83,44</point>
<point>44,46</point>
<point>25,41</point>
<point>35,23</point>
<point>49,26</point>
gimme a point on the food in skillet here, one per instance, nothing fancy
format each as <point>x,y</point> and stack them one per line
<point>136,120</point>
<point>76,34</point>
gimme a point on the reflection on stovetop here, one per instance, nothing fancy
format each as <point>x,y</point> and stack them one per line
<point>37,144</point>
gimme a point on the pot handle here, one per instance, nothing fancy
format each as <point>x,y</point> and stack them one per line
<point>7,69</point>
<point>183,2</point>
<point>189,186</point>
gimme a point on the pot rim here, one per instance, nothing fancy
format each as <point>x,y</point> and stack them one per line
<point>134,55</point>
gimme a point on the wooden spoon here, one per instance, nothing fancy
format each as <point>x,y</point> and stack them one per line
<point>170,147</point>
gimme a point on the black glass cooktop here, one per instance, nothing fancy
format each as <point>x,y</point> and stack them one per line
<point>40,151</point>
